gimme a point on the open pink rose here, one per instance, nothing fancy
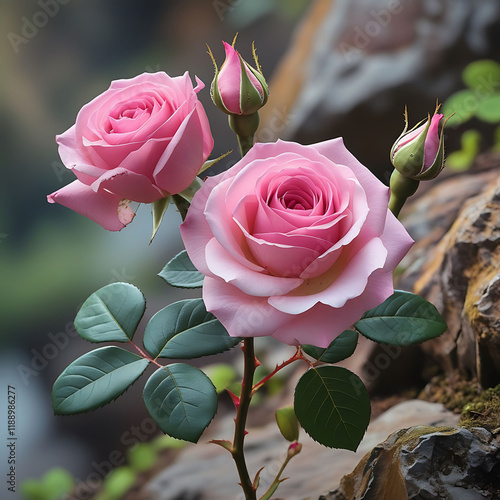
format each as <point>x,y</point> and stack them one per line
<point>295,241</point>
<point>141,140</point>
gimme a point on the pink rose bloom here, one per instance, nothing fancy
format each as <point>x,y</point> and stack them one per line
<point>295,242</point>
<point>141,140</point>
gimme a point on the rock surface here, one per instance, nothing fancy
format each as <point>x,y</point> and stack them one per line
<point>355,64</point>
<point>459,272</point>
<point>449,463</point>
<point>206,472</point>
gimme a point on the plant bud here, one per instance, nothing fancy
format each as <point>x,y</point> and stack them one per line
<point>237,88</point>
<point>419,153</point>
<point>288,423</point>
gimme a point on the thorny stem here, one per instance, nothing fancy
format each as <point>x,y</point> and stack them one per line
<point>241,417</point>
<point>298,355</point>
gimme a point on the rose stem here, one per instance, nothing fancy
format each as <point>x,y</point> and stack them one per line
<point>241,417</point>
<point>401,189</point>
<point>244,126</point>
<point>298,355</point>
<point>245,144</point>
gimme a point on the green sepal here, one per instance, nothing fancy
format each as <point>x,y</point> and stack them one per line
<point>191,190</point>
<point>158,209</point>
<point>211,163</point>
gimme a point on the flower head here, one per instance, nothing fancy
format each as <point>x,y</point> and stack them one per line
<point>296,242</point>
<point>141,140</point>
<point>419,152</point>
<point>238,88</point>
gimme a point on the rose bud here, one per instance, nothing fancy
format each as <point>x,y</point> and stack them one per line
<point>288,423</point>
<point>238,89</point>
<point>419,153</point>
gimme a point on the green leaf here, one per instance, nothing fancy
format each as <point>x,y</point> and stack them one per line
<point>32,489</point>
<point>333,406</point>
<point>95,379</point>
<point>180,272</point>
<point>182,400</point>
<point>142,456</point>
<point>222,375</point>
<point>58,482</point>
<point>118,482</point>
<point>464,158</point>
<point>464,104</point>
<point>402,319</point>
<point>53,485</point>
<point>158,209</point>
<point>489,109</point>
<point>184,330</point>
<point>483,75</point>
<point>111,314</point>
<point>341,348</point>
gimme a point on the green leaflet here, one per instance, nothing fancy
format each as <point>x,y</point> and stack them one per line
<point>184,330</point>
<point>96,378</point>
<point>111,314</point>
<point>180,272</point>
<point>333,406</point>
<point>402,319</point>
<point>182,400</point>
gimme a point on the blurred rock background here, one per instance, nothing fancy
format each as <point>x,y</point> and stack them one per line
<point>336,67</point>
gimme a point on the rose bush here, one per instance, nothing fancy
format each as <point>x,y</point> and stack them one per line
<point>294,241</point>
<point>141,140</point>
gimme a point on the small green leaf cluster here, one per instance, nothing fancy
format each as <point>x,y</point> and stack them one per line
<point>482,97</point>
<point>57,483</point>
<point>332,403</point>
<point>53,485</point>
<point>180,398</point>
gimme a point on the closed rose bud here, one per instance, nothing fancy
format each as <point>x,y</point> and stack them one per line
<point>419,153</point>
<point>237,88</point>
<point>288,423</point>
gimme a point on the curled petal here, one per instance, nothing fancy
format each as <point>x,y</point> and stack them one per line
<point>108,210</point>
